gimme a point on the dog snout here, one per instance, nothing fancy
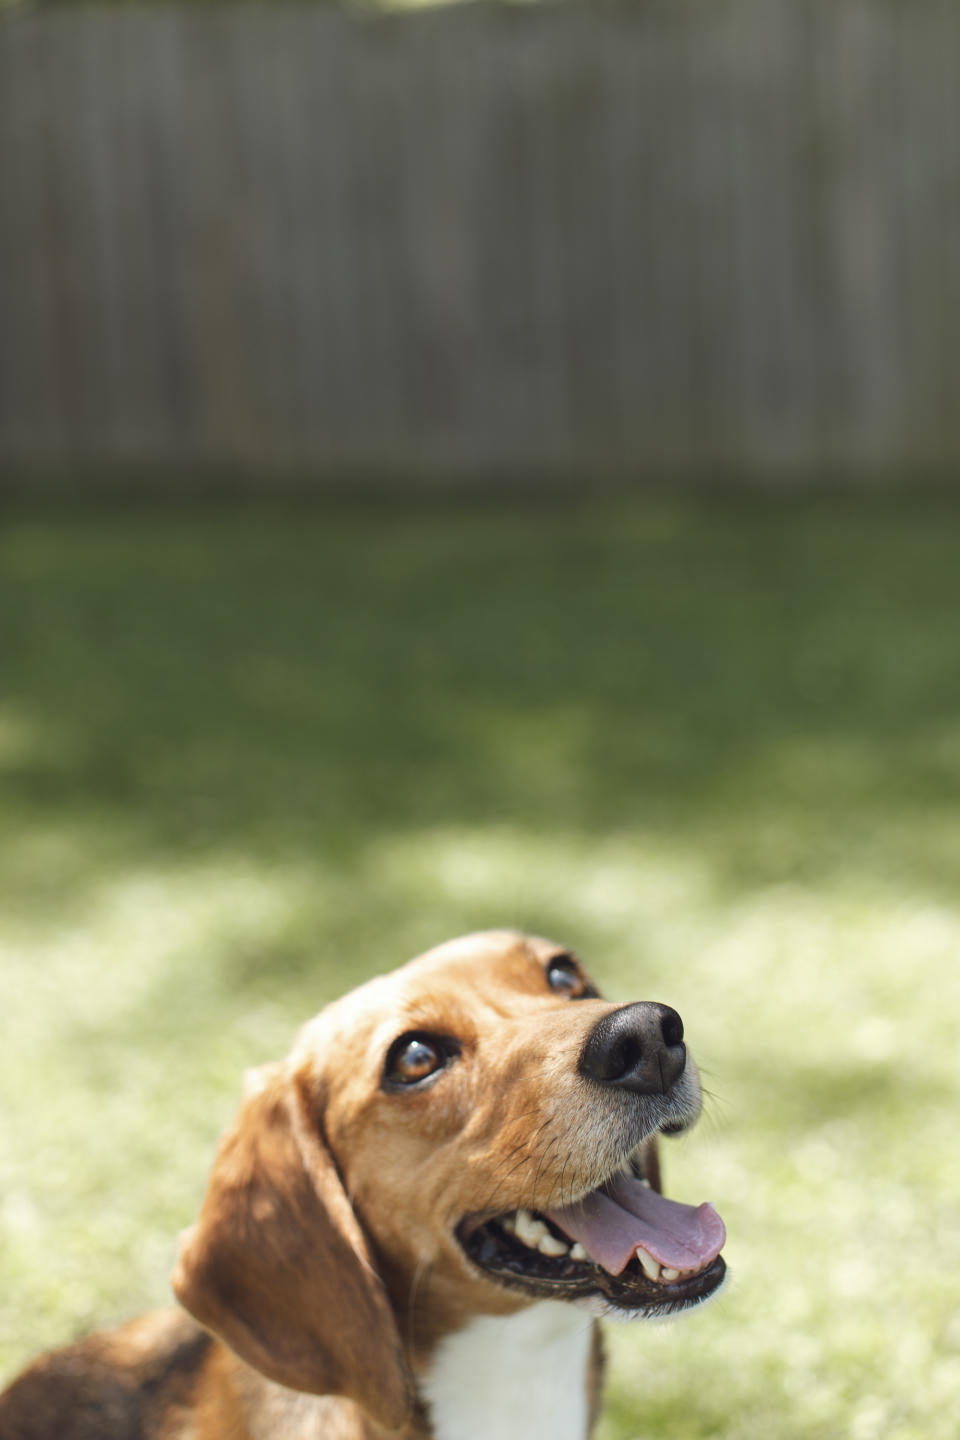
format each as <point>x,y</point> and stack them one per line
<point>638,1047</point>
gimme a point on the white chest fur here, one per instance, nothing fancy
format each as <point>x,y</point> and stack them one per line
<point>519,1377</point>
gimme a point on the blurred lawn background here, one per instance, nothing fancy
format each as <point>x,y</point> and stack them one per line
<point>251,756</point>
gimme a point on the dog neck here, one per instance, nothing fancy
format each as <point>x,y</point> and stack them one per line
<point>513,1376</point>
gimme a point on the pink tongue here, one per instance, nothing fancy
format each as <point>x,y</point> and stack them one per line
<point>611,1224</point>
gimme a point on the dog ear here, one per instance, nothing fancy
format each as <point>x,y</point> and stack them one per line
<point>278,1267</point>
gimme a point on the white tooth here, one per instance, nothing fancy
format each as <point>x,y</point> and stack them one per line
<point>509,1223</point>
<point>668,1273</point>
<point>577,1252</point>
<point>530,1231</point>
<point>651,1267</point>
<point>550,1245</point>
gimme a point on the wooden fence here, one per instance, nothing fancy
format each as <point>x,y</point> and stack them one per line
<point>717,235</point>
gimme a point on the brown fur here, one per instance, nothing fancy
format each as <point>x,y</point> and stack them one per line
<point>126,1384</point>
<point>324,1258</point>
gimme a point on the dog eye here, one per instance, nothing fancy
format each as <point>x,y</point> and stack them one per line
<point>565,978</point>
<point>414,1058</point>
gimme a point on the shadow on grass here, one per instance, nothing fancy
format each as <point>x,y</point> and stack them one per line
<point>275,681</point>
<point>773,689</point>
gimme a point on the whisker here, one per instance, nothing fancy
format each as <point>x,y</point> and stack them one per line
<point>524,1160</point>
<point>543,1159</point>
<point>528,1141</point>
<point>507,1158</point>
<point>563,1172</point>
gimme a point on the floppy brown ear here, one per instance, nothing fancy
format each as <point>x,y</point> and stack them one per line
<point>278,1267</point>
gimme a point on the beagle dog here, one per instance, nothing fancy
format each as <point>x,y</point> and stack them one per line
<point>414,1222</point>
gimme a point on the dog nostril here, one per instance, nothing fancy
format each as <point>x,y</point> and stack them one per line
<point>671,1027</point>
<point>624,1058</point>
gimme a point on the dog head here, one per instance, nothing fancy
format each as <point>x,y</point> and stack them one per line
<point>467,1135</point>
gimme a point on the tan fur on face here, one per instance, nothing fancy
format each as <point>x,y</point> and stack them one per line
<point>508,1125</point>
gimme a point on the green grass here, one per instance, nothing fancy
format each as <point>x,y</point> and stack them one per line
<point>249,757</point>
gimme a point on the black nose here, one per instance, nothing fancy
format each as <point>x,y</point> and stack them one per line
<point>639,1048</point>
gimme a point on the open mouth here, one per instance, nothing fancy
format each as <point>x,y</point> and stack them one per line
<point>624,1242</point>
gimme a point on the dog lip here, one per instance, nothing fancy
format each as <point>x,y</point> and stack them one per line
<point>668,1297</point>
<point>509,1263</point>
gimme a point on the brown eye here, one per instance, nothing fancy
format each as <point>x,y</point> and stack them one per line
<point>564,978</point>
<point>414,1058</point>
